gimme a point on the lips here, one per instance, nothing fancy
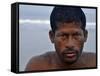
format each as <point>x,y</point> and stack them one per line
<point>70,54</point>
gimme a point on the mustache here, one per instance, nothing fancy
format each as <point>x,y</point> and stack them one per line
<point>70,50</point>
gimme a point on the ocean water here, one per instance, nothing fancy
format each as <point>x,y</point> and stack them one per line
<point>34,40</point>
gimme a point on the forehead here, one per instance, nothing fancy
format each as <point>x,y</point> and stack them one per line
<point>69,27</point>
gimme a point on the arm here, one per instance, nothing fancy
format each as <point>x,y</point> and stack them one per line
<point>90,59</point>
<point>37,63</point>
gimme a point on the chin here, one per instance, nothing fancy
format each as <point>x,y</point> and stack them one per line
<point>70,61</point>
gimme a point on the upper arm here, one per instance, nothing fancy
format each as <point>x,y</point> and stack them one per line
<point>31,65</point>
<point>37,63</point>
<point>90,59</point>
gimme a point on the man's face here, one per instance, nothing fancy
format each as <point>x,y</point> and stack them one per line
<point>68,40</point>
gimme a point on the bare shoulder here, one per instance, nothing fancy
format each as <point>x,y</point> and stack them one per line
<point>89,55</point>
<point>39,62</point>
<point>89,59</point>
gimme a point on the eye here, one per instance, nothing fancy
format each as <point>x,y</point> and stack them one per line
<point>77,35</point>
<point>62,35</point>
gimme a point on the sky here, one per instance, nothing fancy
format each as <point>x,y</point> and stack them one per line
<point>41,14</point>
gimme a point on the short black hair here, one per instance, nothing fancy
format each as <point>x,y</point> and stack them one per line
<point>67,14</point>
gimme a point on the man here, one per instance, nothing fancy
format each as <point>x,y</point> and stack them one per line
<point>68,35</point>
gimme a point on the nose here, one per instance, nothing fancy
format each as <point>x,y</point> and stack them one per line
<point>70,43</point>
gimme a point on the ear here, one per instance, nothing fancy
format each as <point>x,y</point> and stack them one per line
<point>85,35</point>
<point>51,36</point>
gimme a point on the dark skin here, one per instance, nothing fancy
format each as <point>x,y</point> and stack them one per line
<point>68,39</point>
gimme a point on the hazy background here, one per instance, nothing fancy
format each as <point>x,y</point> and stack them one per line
<point>34,27</point>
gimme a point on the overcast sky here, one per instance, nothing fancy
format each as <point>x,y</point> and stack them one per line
<point>41,14</point>
<point>35,12</point>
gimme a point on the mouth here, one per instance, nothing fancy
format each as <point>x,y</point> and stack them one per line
<point>70,54</point>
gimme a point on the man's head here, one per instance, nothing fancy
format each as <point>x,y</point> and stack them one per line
<point>68,32</point>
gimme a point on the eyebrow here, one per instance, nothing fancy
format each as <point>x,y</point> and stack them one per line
<point>68,32</point>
